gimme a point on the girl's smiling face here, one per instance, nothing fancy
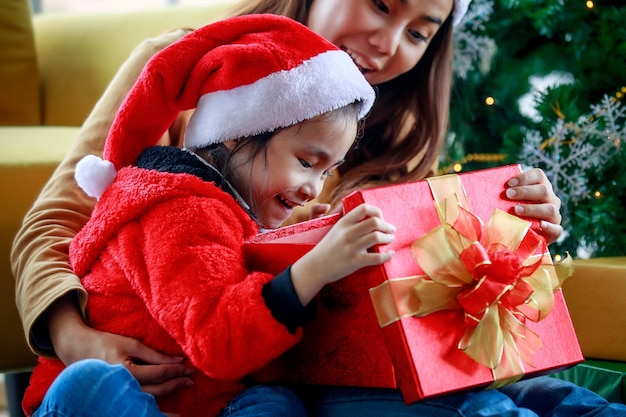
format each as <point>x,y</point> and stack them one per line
<point>292,169</point>
<point>385,38</point>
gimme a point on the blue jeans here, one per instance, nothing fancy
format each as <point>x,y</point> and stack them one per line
<point>541,396</point>
<point>265,401</point>
<point>94,388</point>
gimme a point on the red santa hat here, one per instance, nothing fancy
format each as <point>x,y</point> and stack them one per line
<point>245,75</point>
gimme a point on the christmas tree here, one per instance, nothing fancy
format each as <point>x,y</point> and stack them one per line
<point>543,83</point>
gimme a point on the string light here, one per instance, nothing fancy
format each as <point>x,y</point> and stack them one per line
<point>490,101</point>
<point>473,157</point>
<point>589,4</point>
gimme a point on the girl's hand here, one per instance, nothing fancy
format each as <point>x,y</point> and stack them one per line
<point>157,373</point>
<point>343,250</point>
<point>542,203</point>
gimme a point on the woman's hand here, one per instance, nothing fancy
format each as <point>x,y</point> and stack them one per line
<point>534,188</point>
<point>157,373</point>
<point>318,210</point>
<point>343,250</point>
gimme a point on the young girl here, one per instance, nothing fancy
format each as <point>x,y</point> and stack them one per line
<point>162,255</point>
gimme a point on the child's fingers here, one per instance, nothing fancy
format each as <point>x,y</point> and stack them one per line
<point>363,211</point>
<point>377,258</point>
<point>367,219</point>
<point>371,239</point>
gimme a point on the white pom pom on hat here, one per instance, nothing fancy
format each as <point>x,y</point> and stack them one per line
<point>244,75</point>
<point>94,175</point>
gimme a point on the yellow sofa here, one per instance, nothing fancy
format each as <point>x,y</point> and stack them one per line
<point>53,69</point>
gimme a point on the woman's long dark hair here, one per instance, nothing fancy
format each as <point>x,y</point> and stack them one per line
<point>406,128</point>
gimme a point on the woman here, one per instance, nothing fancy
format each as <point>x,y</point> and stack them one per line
<point>404,48</point>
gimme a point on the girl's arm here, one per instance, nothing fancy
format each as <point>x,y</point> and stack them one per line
<point>197,287</point>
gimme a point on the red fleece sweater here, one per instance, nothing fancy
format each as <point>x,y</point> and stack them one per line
<point>162,260</point>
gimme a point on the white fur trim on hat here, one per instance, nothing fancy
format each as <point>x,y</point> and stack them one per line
<point>94,175</point>
<point>460,8</point>
<point>244,75</point>
<point>326,82</point>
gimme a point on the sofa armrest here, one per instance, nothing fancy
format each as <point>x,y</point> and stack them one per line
<point>28,156</point>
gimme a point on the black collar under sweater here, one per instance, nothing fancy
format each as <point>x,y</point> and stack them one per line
<point>180,161</point>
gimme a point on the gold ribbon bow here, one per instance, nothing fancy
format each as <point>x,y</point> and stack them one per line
<point>499,273</point>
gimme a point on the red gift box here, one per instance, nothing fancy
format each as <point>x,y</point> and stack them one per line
<point>484,335</point>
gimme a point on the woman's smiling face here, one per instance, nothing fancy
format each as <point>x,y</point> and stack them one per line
<point>385,38</point>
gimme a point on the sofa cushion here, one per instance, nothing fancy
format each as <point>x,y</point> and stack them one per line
<point>19,80</point>
<point>595,297</point>
<point>79,53</point>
